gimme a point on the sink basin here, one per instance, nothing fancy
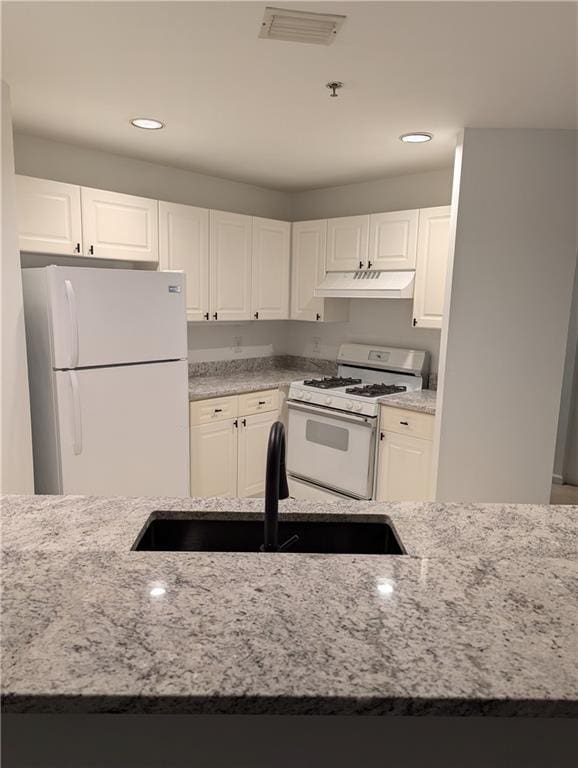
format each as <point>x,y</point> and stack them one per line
<point>328,537</point>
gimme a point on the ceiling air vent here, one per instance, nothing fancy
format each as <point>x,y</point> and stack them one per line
<point>300,26</point>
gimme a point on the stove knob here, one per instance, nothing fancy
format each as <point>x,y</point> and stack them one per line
<point>328,400</point>
<point>358,407</point>
<point>349,405</point>
<point>298,395</point>
<point>307,396</point>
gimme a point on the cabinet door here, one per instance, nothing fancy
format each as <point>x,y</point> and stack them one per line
<point>404,468</point>
<point>184,245</point>
<point>307,268</point>
<point>253,441</point>
<point>214,459</point>
<point>117,226</point>
<point>347,239</point>
<point>432,266</point>
<point>48,216</point>
<point>393,240</point>
<point>230,266</point>
<point>270,269</point>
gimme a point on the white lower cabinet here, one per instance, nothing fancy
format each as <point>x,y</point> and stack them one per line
<point>214,459</point>
<point>229,438</point>
<point>404,466</point>
<point>252,453</point>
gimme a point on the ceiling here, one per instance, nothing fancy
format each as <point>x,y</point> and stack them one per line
<point>256,110</point>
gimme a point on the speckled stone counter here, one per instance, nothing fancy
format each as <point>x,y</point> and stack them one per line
<point>238,377</point>
<point>477,618</point>
<point>241,382</point>
<point>423,401</point>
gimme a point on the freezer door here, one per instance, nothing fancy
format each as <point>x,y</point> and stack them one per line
<point>124,431</point>
<point>115,316</point>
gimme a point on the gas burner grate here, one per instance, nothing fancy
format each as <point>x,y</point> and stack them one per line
<point>376,390</point>
<point>331,382</point>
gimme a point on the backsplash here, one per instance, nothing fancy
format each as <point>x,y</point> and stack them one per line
<point>228,367</point>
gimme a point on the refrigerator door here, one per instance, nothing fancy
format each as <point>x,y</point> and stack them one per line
<point>115,316</point>
<point>124,431</point>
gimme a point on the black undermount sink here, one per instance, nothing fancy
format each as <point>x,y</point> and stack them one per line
<point>165,534</point>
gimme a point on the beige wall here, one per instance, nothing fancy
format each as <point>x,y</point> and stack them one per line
<point>503,347</point>
<point>92,168</point>
<point>16,474</point>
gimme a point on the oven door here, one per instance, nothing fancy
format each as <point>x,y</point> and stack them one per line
<point>332,449</point>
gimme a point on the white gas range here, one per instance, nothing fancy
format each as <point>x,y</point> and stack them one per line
<point>333,420</point>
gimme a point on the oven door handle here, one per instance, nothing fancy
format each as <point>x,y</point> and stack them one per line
<point>362,421</point>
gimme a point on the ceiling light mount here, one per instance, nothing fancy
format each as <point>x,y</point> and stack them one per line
<point>416,137</point>
<point>334,86</point>
<point>147,123</point>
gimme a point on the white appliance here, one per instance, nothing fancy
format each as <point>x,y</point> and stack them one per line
<point>108,370</point>
<point>367,284</point>
<point>333,420</point>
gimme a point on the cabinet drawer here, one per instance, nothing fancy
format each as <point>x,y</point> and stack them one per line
<point>216,409</point>
<point>258,402</point>
<point>407,422</point>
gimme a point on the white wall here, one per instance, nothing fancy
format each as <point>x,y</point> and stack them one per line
<point>371,321</point>
<point>503,346</point>
<point>416,190</point>
<point>92,168</point>
<point>236,341</point>
<point>16,474</point>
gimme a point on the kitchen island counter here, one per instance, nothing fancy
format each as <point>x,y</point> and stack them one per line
<point>477,618</point>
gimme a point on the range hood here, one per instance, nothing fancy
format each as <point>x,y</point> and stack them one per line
<point>366,284</point>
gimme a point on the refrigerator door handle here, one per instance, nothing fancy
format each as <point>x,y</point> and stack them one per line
<point>76,415</point>
<point>73,317</point>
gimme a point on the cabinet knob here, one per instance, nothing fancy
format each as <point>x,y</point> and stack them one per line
<point>215,316</point>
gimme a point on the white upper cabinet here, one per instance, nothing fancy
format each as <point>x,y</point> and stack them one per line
<point>393,240</point>
<point>307,268</point>
<point>270,269</point>
<point>347,239</point>
<point>309,245</point>
<point>230,260</point>
<point>48,216</point>
<point>432,266</point>
<point>184,245</point>
<point>118,226</point>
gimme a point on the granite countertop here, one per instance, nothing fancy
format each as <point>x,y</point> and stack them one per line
<point>423,401</point>
<point>241,382</point>
<point>476,619</point>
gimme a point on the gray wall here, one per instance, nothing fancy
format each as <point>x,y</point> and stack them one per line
<point>503,347</point>
<point>92,168</point>
<point>417,190</point>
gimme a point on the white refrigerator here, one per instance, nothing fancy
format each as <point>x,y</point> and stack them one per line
<point>108,370</point>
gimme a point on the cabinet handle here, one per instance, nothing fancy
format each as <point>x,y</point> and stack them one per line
<point>369,264</point>
<point>318,316</point>
<point>404,423</point>
<point>91,250</point>
<point>360,265</point>
<point>244,422</point>
<point>262,402</point>
<point>414,322</point>
<point>77,248</point>
<point>206,315</point>
<point>236,424</point>
<point>256,315</point>
<point>215,316</point>
<point>382,435</point>
<point>218,410</point>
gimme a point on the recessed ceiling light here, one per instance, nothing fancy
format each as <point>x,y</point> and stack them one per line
<point>416,138</point>
<point>148,123</point>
